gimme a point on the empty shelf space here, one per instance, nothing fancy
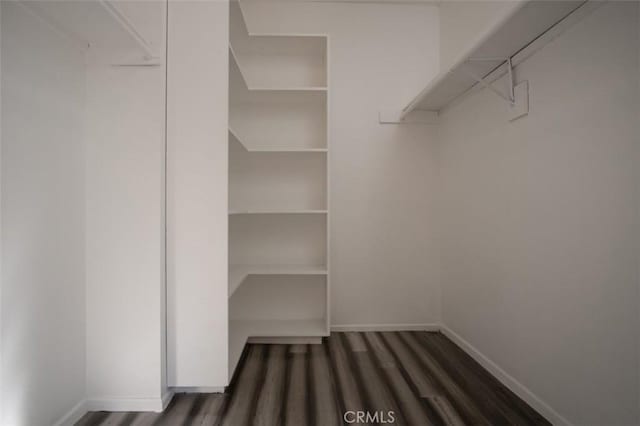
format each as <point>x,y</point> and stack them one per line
<point>282,183</point>
<point>277,306</point>
<point>275,60</point>
<point>264,120</point>
<point>237,69</point>
<point>280,297</point>
<point>278,239</point>
<point>238,273</point>
<point>239,145</point>
<point>241,330</point>
<point>281,69</point>
<point>241,88</point>
<point>296,119</point>
<point>258,118</point>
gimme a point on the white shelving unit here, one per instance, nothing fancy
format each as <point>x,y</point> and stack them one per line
<point>504,45</point>
<point>278,188</point>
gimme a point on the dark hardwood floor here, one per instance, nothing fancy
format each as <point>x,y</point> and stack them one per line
<point>412,378</point>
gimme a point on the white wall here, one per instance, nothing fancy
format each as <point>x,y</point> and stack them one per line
<point>43,306</point>
<point>383,177</point>
<point>125,265</point>
<point>125,174</point>
<point>197,193</point>
<point>463,22</point>
<point>540,242</point>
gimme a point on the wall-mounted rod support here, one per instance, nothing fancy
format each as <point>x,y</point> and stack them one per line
<point>508,97</point>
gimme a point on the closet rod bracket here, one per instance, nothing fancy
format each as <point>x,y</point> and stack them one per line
<point>509,96</point>
<point>517,96</point>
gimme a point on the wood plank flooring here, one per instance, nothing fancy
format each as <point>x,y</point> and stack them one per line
<point>423,378</point>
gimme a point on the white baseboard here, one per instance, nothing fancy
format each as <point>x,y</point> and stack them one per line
<point>385,327</point>
<point>198,389</point>
<point>506,379</point>
<point>75,414</point>
<point>129,404</point>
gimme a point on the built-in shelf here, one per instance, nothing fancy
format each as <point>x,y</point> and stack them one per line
<point>295,118</point>
<point>528,22</point>
<point>277,60</point>
<point>238,273</point>
<point>238,212</point>
<point>278,180</point>
<point>233,138</point>
<point>278,239</point>
<point>236,68</point>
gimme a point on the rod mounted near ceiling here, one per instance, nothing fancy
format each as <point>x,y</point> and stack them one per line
<point>526,28</point>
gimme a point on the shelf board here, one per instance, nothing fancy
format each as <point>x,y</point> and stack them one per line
<point>526,23</point>
<point>256,212</point>
<point>282,328</point>
<point>238,273</point>
<point>270,61</point>
<point>262,115</point>
<point>288,89</point>
<point>287,150</point>
<point>233,135</point>
<point>241,330</point>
